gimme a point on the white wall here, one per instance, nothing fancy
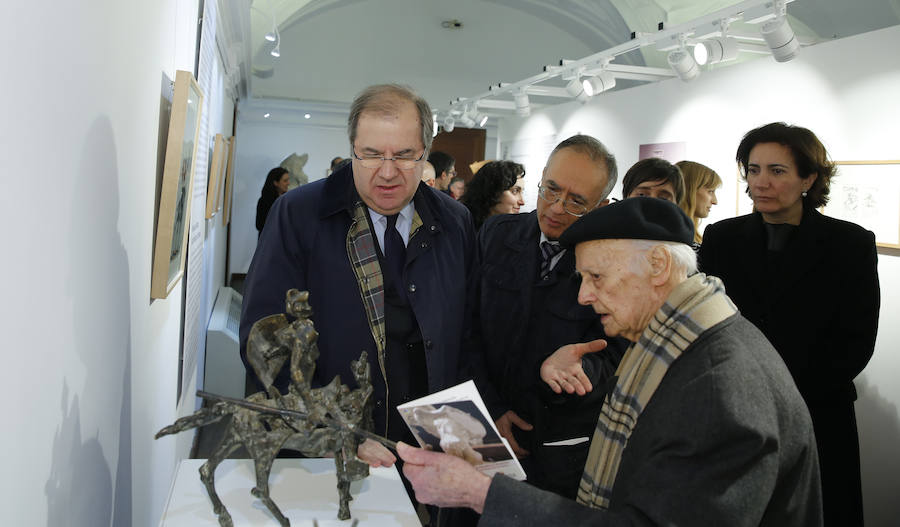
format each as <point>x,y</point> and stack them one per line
<point>91,362</point>
<point>261,146</point>
<point>846,91</point>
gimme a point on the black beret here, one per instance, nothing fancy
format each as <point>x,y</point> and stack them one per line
<point>632,219</point>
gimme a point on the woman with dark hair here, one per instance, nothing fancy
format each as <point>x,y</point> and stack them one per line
<point>276,184</point>
<point>810,283</point>
<point>700,184</point>
<point>495,189</point>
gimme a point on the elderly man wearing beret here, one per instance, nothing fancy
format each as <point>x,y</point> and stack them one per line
<point>703,424</point>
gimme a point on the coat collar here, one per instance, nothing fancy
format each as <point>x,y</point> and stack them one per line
<point>806,250</point>
<point>340,195</point>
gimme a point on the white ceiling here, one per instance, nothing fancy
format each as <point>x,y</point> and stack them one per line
<point>330,49</point>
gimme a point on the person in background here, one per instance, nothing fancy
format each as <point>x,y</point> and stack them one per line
<point>457,187</point>
<point>444,169</point>
<point>810,284</point>
<point>654,178</point>
<point>428,174</point>
<point>276,184</point>
<point>527,316</point>
<point>703,424</point>
<point>497,188</point>
<point>700,184</point>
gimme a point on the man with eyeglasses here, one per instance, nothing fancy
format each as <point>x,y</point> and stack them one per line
<point>528,319</point>
<point>381,255</point>
<point>444,170</point>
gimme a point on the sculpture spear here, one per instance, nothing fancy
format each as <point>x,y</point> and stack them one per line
<point>331,423</point>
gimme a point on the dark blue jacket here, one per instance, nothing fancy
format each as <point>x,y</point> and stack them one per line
<point>520,320</point>
<point>304,246</point>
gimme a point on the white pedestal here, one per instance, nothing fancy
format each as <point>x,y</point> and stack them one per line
<point>302,488</point>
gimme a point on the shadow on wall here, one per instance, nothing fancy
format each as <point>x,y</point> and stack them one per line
<point>879,445</point>
<point>80,490</point>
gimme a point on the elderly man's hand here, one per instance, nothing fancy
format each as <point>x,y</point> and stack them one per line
<point>375,454</point>
<point>443,480</point>
<point>504,426</point>
<point>562,370</point>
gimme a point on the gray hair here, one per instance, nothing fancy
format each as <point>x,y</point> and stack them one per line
<point>597,151</point>
<point>383,99</point>
<point>684,259</point>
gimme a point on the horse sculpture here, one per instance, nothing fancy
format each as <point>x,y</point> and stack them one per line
<point>314,421</point>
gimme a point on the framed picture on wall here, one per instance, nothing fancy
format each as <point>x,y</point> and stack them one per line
<point>868,194</point>
<point>216,171</point>
<point>177,183</point>
<point>229,182</point>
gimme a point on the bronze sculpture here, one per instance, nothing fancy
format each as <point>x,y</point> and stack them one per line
<point>314,421</point>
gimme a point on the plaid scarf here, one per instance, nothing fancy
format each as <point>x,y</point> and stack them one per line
<point>694,306</point>
<point>364,261</point>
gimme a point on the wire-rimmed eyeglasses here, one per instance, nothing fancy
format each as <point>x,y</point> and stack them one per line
<point>405,162</point>
<point>552,196</point>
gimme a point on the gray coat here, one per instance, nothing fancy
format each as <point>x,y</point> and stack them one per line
<point>725,440</point>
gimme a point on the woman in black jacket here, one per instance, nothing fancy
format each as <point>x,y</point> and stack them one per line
<point>810,283</point>
<point>276,184</point>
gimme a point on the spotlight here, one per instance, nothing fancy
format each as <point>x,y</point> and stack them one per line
<point>523,107</point>
<point>781,39</point>
<point>684,65</point>
<point>434,125</point>
<point>480,119</point>
<point>448,123</point>
<point>715,50</point>
<point>466,121</point>
<point>270,36</point>
<point>276,52</point>
<point>599,83</point>
<point>576,90</point>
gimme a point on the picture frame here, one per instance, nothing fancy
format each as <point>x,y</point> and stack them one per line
<point>173,221</point>
<point>216,170</point>
<point>229,182</point>
<point>868,193</point>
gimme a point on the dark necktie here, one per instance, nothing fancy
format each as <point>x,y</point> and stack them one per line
<point>394,249</point>
<point>548,251</point>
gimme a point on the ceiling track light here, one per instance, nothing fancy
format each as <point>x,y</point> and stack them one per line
<point>466,119</point>
<point>780,38</point>
<point>715,50</point>
<point>449,123</point>
<point>523,106</point>
<point>599,83</point>
<point>683,64</point>
<point>575,88</point>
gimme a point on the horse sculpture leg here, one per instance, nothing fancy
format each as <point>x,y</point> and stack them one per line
<point>263,465</point>
<point>343,485</point>
<point>208,475</point>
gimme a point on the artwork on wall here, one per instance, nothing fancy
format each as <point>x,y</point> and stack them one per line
<point>216,170</point>
<point>671,152</point>
<point>229,182</point>
<point>177,182</point>
<point>868,194</point>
